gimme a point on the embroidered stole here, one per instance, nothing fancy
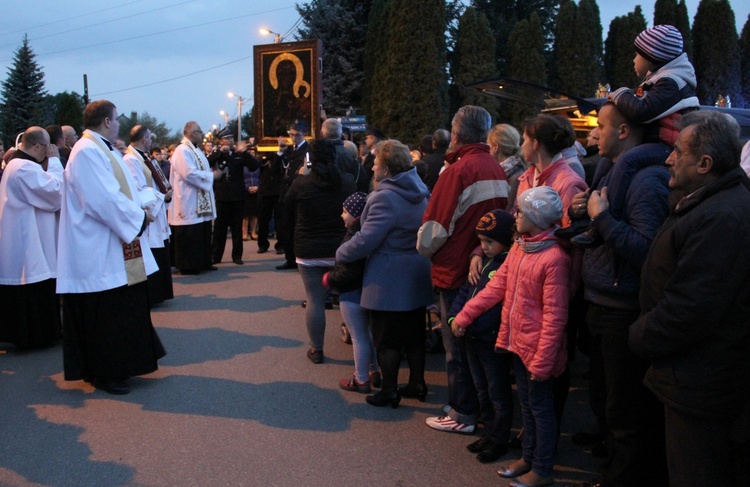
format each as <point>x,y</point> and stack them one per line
<point>205,205</point>
<point>135,268</point>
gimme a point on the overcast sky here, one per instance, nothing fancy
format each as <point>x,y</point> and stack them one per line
<point>175,59</point>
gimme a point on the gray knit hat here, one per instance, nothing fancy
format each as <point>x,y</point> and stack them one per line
<point>659,44</point>
<point>542,205</point>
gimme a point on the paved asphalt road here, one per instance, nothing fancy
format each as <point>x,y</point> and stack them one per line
<point>236,403</point>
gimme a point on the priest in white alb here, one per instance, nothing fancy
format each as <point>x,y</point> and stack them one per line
<point>108,336</point>
<point>30,195</point>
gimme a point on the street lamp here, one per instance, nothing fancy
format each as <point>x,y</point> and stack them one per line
<point>239,113</point>
<point>277,36</point>
<point>226,117</point>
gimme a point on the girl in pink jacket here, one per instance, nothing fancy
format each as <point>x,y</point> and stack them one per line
<point>534,285</point>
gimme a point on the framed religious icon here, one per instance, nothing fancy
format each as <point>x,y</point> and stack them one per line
<point>287,89</point>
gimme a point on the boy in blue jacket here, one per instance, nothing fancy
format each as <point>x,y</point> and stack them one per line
<point>490,370</point>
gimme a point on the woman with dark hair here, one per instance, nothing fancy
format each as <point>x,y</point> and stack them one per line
<point>313,205</point>
<point>396,285</point>
<point>544,137</point>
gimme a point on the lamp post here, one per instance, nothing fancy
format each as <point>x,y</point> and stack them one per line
<point>239,113</point>
<point>276,38</point>
<point>226,117</point>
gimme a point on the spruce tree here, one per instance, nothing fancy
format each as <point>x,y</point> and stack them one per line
<point>671,12</point>
<point>376,43</point>
<point>716,52</point>
<point>565,69</point>
<point>589,30</point>
<point>619,52</point>
<point>67,109</point>
<point>341,25</point>
<point>23,94</point>
<point>744,46</point>
<point>473,60</point>
<point>413,91</point>
<point>527,63</point>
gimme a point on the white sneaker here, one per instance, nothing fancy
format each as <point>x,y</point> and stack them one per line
<point>445,423</point>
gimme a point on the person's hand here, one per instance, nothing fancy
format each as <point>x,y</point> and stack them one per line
<point>241,146</point>
<point>598,202</point>
<point>282,143</point>
<point>578,205</point>
<point>217,174</point>
<point>252,189</point>
<point>53,150</point>
<point>168,195</point>
<point>457,330</point>
<point>149,218</point>
<point>475,269</point>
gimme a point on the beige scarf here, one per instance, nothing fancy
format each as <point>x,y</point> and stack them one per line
<point>205,205</point>
<point>135,268</point>
<point>146,170</point>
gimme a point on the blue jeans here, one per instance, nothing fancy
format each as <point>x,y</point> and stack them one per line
<point>539,419</point>
<point>462,396</point>
<point>491,374</point>
<point>315,312</point>
<point>357,319</point>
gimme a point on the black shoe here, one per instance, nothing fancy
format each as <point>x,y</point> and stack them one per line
<point>328,305</point>
<point>188,272</point>
<point>111,385</point>
<point>587,439</point>
<point>286,266</point>
<point>492,452</point>
<point>262,251</point>
<point>382,398</point>
<point>416,391</point>
<point>478,445</point>
<point>213,268</point>
<point>279,251</point>
<point>315,356</point>
<point>238,261</point>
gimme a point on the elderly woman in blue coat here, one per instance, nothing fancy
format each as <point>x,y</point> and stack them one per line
<point>396,286</point>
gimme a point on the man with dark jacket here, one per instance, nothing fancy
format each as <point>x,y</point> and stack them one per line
<point>230,195</point>
<point>611,273</point>
<point>292,158</point>
<point>331,130</point>
<point>441,138</point>
<point>695,304</point>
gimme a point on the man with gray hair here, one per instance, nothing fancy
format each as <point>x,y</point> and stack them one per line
<point>331,130</point>
<point>441,138</point>
<point>447,236</point>
<point>695,303</point>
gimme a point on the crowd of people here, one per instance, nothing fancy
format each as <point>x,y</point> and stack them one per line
<point>514,234</point>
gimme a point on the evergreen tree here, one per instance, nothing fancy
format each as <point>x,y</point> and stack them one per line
<point>566,67</point>
<point>473,60</point>
<point>376,43</point>
<point>673,13</point>
<point>23,94</point>
<point>744,46</point>
<point>503,15</point>
<point>413,92</point>
<point>716,52</point>
<point>589,31</point>
<point>341,25</point>
<point>67,109</point>
<point>527,63</point>
<point>619,52</point>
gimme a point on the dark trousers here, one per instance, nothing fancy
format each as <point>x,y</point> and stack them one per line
<point>491,374</point>
<point>462,395</point>
<point>633,416</point>
<point>700,451</point>
<point>268,208</point>
<point>228,215</point>
<point>394,332</point>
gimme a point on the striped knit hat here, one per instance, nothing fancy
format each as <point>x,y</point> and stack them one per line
<point>659,44</point>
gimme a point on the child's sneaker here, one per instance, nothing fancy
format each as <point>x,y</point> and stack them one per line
<point>446,423</point>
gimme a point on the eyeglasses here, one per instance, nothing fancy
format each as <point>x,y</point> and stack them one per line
<point>295,134</point>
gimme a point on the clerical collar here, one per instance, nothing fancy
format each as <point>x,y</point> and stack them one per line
<point>109,144</point>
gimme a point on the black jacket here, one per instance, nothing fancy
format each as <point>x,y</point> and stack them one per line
<point>231,185</point>
<point>695,302</point>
